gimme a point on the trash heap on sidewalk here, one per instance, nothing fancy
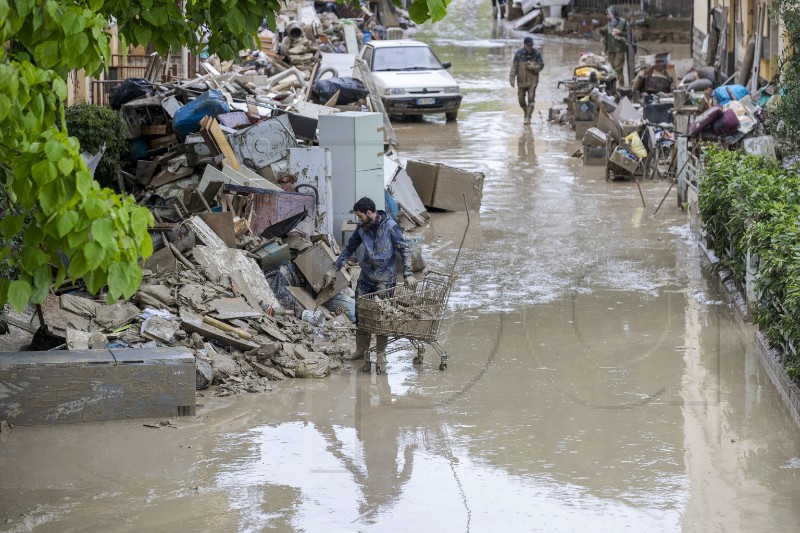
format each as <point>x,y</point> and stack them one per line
<point>634,133</point>
<point>251,184</point>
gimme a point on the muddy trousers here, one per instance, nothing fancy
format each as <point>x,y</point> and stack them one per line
<point>617,60</point>
<point>527,96</point>
<point>362,348</point>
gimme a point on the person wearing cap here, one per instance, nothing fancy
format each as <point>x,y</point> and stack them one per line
<point>615,46</point>
<point>655,79</point>
<point>524,73</point>
<point>383,240</point>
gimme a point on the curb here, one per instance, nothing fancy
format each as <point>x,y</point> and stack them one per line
<point>770,358</point>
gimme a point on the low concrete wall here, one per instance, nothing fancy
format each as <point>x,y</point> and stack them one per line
<point>95,385</point>
<point>770,359</point>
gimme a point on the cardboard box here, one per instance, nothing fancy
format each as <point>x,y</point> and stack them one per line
<point>423,176</point>
<point>443,187</point>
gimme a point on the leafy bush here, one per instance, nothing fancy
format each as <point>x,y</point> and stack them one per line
<point>94,126</point>
<point>788,83</point>
<point>750,204</point>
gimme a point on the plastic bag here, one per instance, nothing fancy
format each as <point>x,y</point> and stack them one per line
<point>350,90</point>
<point>636,146</point>
<point>187,118</point>
<point>130,89</point>
<point>726,93</point>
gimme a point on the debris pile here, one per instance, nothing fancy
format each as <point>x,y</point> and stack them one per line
<point>244,174</point>
<point>634,132</point>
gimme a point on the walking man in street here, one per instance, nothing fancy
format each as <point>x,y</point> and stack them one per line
<point>382,239</point>
<point>615,46</point>
<point>525,70</point>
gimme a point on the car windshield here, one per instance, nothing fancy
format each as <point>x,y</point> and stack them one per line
<point>405,58</point>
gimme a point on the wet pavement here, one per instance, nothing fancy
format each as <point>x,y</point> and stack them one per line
<point>598,379</point>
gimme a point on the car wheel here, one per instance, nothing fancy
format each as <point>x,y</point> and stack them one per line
<point>451,116</point>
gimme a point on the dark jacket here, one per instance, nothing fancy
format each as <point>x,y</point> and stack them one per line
<point>380,244</point>
<point>526,67</point>
<point>613,45</point>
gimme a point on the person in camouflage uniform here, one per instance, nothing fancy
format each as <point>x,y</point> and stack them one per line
<point>524,74</point>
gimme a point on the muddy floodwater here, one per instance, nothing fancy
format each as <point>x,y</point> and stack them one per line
<point>598,379</point>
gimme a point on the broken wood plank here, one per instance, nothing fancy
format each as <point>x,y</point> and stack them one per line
<point>217,142</point>
<point>195,324</point>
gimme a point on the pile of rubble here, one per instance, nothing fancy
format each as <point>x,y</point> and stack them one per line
<point>245,181</point>
<point>638,137</point>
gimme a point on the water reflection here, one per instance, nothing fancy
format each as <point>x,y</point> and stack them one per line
<point>526,149</point>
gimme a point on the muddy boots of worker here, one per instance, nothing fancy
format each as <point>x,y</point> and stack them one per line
<point>362,350</point>
<point>380,361</point>
<point>528,113</point>
<point>502,11</point>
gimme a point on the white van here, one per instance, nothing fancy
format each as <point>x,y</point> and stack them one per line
<point>410,78</point>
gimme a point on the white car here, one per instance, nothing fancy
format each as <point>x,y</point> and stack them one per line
<point>410,78</point>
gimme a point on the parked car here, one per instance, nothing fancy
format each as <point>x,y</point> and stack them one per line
<point>410,78</point>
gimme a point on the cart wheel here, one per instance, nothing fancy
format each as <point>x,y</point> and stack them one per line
<point>366,367</point>
<point>442,366</point>
<point>380,368</point>
<point>417,360</point>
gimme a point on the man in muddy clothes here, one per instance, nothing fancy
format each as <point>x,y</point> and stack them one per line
<point>382,239</point>
<point>525,70</point>
<point>615,45</point>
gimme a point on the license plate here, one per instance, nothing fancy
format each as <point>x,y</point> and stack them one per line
<point>426,101</point>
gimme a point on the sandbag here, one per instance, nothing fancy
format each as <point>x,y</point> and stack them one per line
<point>636,145</point>
<point>350,90</point>
<point>130,89</point>
<point>726,123</point>
<point>187,118</point>
<point>726,93</point>
<point>700,85</point>
<point>705,120</point>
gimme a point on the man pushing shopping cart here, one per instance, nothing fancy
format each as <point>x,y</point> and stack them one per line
<point>382,239</point>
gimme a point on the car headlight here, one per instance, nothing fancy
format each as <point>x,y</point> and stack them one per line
<point>451,90</point>
<point>395,91</point>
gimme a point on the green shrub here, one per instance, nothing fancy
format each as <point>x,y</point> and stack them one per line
<point>750,204</point>
<point>94,126</point>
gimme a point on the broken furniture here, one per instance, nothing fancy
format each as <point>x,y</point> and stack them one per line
<point>54,387</point>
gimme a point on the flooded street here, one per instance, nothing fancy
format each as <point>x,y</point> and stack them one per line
<point>598,380</point>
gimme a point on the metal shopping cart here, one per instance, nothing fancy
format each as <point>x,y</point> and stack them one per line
<point>411,318</point>
<point>411,314</point>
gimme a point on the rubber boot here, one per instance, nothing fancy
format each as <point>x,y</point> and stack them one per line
<point>502,11</point>
<point>362,348</point>
<point>527,116</point>
<point>380,361</point>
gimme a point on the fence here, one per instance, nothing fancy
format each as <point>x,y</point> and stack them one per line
<point>676,8</point>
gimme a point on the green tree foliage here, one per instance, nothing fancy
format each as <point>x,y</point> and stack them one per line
<point>77,228</point>
<point>788,107</point>
<point>96,126</point>
<point>751,205</point>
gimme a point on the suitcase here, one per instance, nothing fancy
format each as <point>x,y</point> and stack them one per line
<point>704,120</point>
<point>727,123</point>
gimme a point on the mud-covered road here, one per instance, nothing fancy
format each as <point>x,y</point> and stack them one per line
<point>598,380</point>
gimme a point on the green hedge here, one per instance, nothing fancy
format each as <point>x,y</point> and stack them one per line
<point>751,203</point>
<point>94,126</point>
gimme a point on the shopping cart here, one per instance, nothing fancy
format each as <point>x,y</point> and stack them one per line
<point>411,318</point>
<point>414,315</point>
